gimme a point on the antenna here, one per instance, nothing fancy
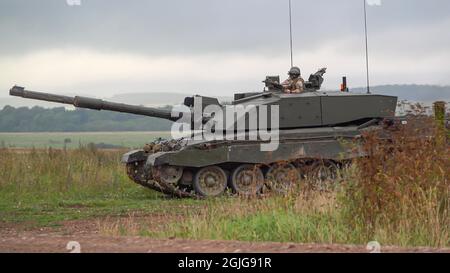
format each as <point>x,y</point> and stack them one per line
<point>367,46</point>
<point>290,32</point>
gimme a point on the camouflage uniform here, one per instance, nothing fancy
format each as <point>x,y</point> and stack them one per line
<point>294,86</point>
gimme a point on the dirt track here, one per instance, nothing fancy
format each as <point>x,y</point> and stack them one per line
<point>58,243</point>
<point>13,239</point>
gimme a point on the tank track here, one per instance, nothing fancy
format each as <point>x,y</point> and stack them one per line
<point>137,173</point>
<point>140,174</point>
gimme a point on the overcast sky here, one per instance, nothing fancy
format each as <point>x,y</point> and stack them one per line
<point>213,47</point>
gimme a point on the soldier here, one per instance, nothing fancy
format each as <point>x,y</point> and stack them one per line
<point>294,84</point>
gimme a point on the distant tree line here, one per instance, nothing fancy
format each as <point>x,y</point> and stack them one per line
<point>38,119</point>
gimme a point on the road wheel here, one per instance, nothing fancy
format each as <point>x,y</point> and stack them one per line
<point>247,180</point>
<point>282,177</point>
<point>170,174</point>
<point>323,175</point>
<point>210,181</point>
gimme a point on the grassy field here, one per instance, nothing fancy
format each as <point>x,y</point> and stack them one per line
<point>43,188</point>
<point>399,196</point>
<point>77,139</point>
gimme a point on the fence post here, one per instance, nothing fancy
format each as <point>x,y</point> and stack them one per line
<point>439,115</point>
<point>439,112</point>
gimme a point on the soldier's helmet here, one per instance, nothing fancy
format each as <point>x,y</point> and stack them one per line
<point>294,72</point>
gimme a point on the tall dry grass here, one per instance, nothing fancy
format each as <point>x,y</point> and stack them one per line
<point>401,192</point>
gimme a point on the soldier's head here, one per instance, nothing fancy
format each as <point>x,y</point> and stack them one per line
<point>294,73</point>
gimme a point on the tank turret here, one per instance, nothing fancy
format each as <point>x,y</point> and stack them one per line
<point>308,109</point>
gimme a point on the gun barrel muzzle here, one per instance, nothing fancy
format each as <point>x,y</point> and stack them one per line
<point>19,91</point>
<point>16,91</point>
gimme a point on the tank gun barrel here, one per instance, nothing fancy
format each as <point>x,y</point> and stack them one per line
<point>92,103</point>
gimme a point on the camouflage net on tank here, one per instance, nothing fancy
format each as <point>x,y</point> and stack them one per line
<point>164,145</point>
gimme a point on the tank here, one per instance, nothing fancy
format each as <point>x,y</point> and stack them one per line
<point>311,133</point>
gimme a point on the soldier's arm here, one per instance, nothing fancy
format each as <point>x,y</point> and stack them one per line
<point>286,86</point>
<point>286,83</point>
<point>301,84</point>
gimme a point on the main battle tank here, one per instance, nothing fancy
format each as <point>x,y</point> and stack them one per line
<point>310,135</point>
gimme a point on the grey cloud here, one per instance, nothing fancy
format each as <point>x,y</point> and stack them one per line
<point>409,43</point>
<point>200,26</point>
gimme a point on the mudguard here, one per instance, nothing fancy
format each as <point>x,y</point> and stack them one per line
<point>134,156</point>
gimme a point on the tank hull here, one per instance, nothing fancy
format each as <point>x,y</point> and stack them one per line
<point>303,149</point>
